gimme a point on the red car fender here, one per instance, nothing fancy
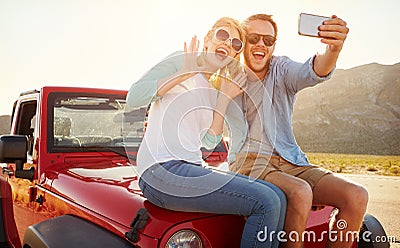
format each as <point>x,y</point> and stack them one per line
<point>10,229</point>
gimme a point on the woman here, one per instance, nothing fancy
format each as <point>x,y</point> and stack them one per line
<point>187,113</point>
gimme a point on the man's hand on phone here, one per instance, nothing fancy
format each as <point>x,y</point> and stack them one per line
<point>333,33</point>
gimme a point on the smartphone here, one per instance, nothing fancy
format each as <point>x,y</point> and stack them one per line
<point>308,24</point>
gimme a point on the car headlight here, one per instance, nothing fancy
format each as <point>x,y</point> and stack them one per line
<point>184,239</point>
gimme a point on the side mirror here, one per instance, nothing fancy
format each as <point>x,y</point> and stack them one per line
<point>13,149</point>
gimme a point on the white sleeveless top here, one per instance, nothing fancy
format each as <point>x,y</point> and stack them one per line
<point>177,123</point>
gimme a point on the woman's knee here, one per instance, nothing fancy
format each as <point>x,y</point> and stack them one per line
<point>269,200</point>
<point>273,206</point>
<point>278,191</point>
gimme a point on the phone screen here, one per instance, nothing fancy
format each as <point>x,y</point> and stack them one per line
<point>308,24</point>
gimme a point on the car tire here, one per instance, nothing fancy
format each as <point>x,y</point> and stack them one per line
<point>371,233</point>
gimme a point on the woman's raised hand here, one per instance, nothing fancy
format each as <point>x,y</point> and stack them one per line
<point>233,87</point>
<point>191,64</point>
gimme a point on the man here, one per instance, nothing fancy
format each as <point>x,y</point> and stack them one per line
<point>263,144</point>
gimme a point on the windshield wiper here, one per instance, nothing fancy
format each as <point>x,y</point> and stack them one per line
<point>119,151</point>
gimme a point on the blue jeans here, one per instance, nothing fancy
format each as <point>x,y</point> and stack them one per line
<point>182,186</point>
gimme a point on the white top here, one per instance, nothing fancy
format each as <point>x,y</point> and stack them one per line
<point>177,122</point>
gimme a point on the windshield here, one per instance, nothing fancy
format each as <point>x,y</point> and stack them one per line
<point>97,121</point>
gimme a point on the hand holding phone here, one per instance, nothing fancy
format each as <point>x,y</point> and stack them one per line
<point>308,24</point>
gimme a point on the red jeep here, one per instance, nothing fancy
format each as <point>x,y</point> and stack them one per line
<point>68,181</point>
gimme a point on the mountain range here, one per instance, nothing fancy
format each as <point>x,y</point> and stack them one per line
<point>5,124</point>
<point>357,111</point>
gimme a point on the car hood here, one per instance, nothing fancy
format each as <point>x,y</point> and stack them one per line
<point>110,189</point>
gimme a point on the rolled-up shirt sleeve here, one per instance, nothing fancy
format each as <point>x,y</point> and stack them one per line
<point>210,141</point>
<point>302,75</point>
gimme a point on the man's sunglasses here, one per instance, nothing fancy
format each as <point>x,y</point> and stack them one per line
<point>267,39</point>
<point>223,35</point>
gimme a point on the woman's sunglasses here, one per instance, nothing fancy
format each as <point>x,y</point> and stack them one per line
<point>223,35</point>
<point>267,39</point>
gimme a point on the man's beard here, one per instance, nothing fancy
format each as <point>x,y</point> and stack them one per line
<point>255,70</point>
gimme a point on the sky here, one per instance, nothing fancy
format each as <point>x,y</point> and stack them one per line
<point>112,43</point>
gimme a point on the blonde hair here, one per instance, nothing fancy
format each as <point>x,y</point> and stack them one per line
<point>234,67</point>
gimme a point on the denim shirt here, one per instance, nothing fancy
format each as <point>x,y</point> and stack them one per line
<point>285,78</point>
